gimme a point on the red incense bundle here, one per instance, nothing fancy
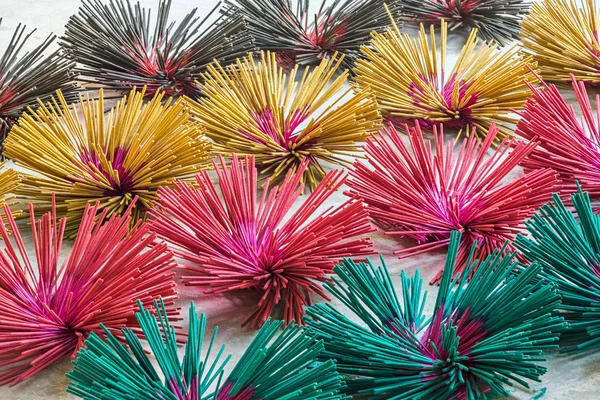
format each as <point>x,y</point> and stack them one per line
<point>240,241</point>
<point>426,190</point>
<point>48,310</point>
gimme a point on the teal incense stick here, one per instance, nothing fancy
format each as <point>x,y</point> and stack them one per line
<point>483,337</point>
<point>567,245</point>
<point>278,364</point>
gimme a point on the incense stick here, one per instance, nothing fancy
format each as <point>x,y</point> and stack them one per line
<point>111,158</point>
<point>426,190</point>
<point>244,242</point>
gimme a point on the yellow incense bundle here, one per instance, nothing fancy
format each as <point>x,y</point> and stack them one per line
<point>412,83</point>
<point>118,159</point>
<point>254,108</point>
<point>563,38</point>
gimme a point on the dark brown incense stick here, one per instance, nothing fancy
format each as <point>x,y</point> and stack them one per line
<point>26,76</point>
<point>299,34</point>
<point>117,47</point>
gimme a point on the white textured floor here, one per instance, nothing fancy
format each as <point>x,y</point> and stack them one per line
<point>567,377</point>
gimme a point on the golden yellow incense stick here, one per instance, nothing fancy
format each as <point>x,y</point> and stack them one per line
<point>254,108</point>
<point>563,37</point>
<point>84,155</point>
<point>411,82</point>
<point>9,181</point>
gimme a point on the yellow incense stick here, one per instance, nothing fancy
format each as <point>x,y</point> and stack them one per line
<point>563,37</point>
<point>254,108</point>
<point>84,155</point>
<point>411,82</point>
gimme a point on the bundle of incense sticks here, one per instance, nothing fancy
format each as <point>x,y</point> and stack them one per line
<point>82,155</point>
<point>238,241</point>
<point>47,310</point>
<point>283,122</point>
<point>482,337</point>
<point>300,35</point>
<point>25,77</point>
<point>273,367</point>
<point>568,143</point>
<point>412,84</point>
<point>497,20</point>
<point>116,47</point>
<point>567,244</point>
<point>425,190</point>
<point>563,37</point>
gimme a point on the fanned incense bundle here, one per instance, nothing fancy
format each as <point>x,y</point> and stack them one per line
<point>117,48</point>
<point>280,121</point>
<point>242,242</point>
<point>482,337</point>
<point>563,37</point>
<point>26,77</point>
<point>272,368</point>
<point>48,310</point>
<point>114,158</point>
<point>301,36</point>
<point>567,245</point>
<point>497,20</point>
<point>425,194</point>
<point>569,144</point>
<point>411,83</point>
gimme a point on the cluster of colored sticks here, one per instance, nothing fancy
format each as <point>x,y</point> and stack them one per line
<point>216,168</point>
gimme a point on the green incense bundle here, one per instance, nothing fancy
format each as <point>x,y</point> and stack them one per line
<point>483,336</point>
<point>567,245</point>
<point>278,364</point>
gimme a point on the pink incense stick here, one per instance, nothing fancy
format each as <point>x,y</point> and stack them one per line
<point>48,310</point>
<point>240,241</point>
<point>427,190</point>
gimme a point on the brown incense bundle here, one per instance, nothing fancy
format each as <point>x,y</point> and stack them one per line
<point>300,34</point>
<point>117,46</point>
<point>27,76</point>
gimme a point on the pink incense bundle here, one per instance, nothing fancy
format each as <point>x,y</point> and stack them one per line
<point>242,242</point>
<point>568,144</point>
<point>412,192</point>
<point>48,310</point>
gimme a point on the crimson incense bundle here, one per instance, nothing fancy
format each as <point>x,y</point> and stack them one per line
<point>426,190</point>
<point>49,307</point>
<point>116,46</point>
<point>246,241</point>
<point>568,143</point>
